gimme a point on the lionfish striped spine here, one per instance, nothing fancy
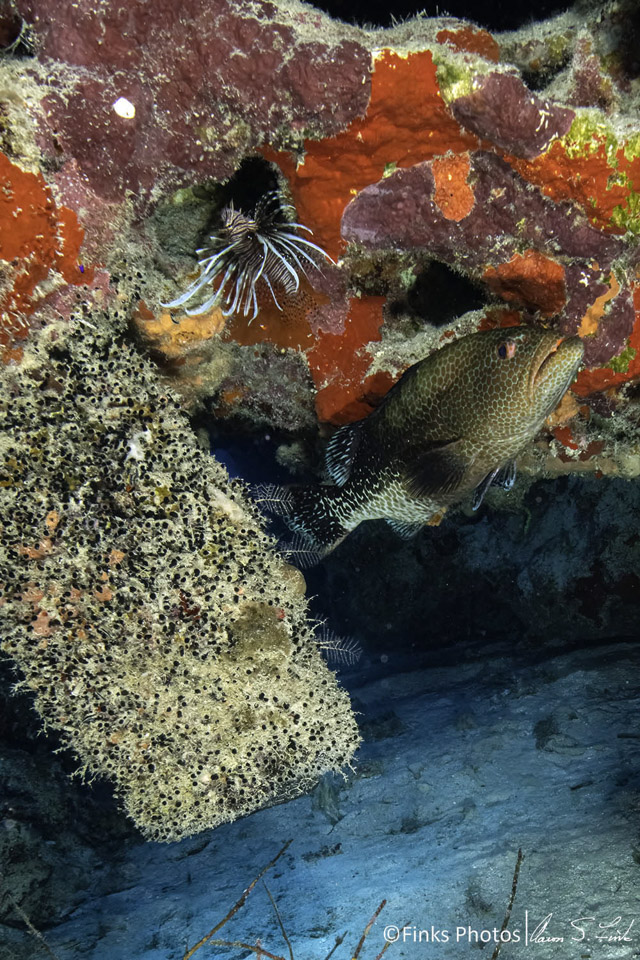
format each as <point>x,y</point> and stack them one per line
<point>264,246</point>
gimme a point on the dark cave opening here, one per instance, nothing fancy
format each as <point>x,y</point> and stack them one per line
<point>251,181</point>
<point>439,294</point>
<point>491,14</point>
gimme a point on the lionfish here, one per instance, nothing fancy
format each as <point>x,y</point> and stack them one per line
<point>264,246</point>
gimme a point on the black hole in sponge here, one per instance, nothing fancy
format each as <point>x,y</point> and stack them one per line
<point>253,178</point>
<point>439,295</point>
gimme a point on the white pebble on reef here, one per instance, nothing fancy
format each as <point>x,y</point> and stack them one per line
<point>124,108</point>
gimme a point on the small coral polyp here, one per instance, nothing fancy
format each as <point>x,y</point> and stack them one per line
<point>145,606</point>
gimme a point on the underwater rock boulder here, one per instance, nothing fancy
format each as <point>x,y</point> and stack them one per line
<point>146,608</point>
<point>510,162</point>
<point>238,72</point>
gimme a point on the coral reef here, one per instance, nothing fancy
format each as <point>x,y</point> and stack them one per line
<point>512,158</point>
<point>36,239</point>
<point>257,386</point>
<point>159,631</point>
<point>509,161</point>
<point>463,180</point>
<point>226,88</point>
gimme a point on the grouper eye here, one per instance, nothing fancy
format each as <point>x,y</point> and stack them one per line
<point>507,349</point>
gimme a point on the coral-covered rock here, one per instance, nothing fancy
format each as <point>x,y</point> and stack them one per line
<point>590,167</point>
<point>196,100</point>
<point>532,279</point>
<point>419,144</point>
<point>407,210</point>
<point>39,241</point>
<point>181,340</point>
<point>406,119</point>
<point>590,86</point>
<point>607,324</point>
<point>502,110</point>
<point>625,365</point>
<point>472,40</point>
<point>402,210</point>
<point>535,218</point>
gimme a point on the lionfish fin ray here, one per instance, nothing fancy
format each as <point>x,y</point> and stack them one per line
<point>190,292</point>
<point>203,307</point>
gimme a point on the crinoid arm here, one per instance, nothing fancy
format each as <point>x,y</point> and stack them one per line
<point>301,553</point>
<point>273,497</point>
<point>345,651</point>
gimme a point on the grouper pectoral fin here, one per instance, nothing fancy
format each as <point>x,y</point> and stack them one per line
<point>406,530</point>
<point>504,477</point>
<point>481,489</point>
<point>441,469</point>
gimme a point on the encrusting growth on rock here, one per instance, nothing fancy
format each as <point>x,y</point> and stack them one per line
<point>160,633</point>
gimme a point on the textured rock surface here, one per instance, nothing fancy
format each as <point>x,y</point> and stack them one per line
<point>158,630</point>
<point>53,831</point>
<point>532,194</point>
<point>231,75</point>
<point>501,109</point>
<point>556,565</point>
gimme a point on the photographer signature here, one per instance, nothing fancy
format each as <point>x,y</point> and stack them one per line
<point>584,929</point>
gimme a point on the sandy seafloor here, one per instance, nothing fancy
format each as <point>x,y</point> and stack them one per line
<point>463,764</point>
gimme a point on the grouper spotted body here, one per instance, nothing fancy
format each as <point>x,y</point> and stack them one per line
<point>450,427</point>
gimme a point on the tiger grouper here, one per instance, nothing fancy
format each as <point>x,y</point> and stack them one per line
<point>451,426</point>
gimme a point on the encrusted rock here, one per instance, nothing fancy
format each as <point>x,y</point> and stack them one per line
<point>145,606</point>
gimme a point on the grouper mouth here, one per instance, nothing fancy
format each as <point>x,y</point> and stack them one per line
<point>555,365</point>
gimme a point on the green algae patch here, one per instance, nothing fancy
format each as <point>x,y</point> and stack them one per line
<point>621,363</point>
<point>627,215</point>
<point>587,134</point>
<point>455,79</point>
